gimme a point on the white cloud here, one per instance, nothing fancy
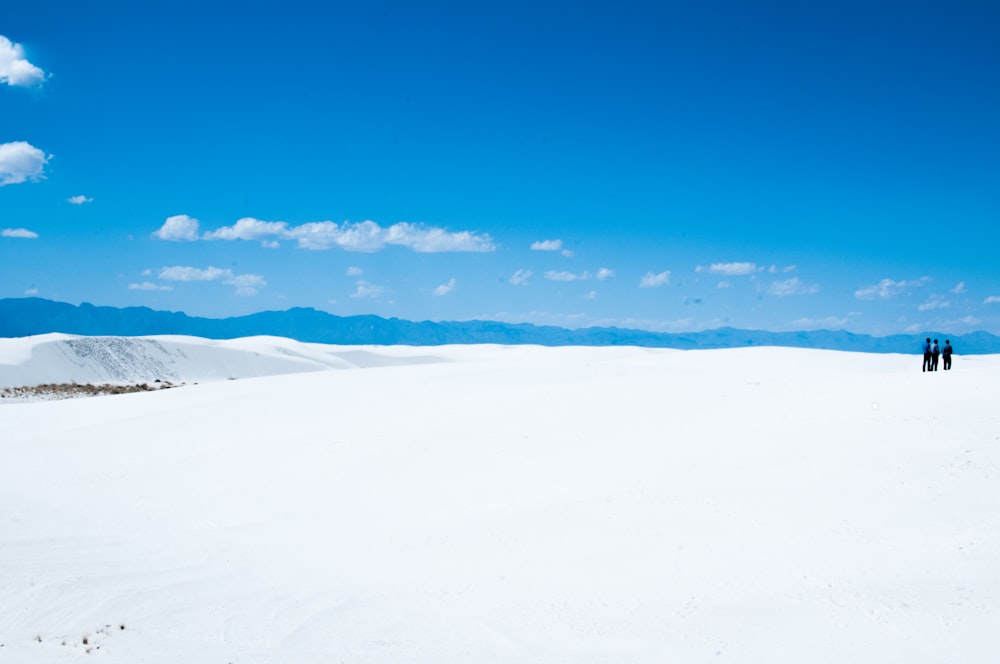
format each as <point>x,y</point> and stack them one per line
<point>184,273</point>
<point>605,273</point>
<point>553,275</point>
<point>367,290</point>
<point>520,278</point>
<point>828,323</point>
<point>546,245</point>
<point>178,228</point>
<point>729,269</point>
<point>724,284</point>
<point>316,235</point>
<point>444,289</point>
<point>15,68</point>
<point>21,161</point>
<point>246,284</point>
<point>79,200</point>
<point>592,295</point>
<point>793,286</point>
<point>31,291</point>
<point>992,299</point>
<point>248,228</point>
<point>551,245</point>
<point>935,301</point>
<point>149,286</point>
<point>354,271</point>
<point>888,288</point>
<point>366,236</point>
<point>22,233</point>
<point>435,240</point>
<point>959,288</point>
<point>650,280</point>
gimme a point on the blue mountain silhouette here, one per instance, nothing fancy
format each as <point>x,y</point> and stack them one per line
<point>30,316</point>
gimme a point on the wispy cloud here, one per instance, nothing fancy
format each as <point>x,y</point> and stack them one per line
<point>79,200</point>
<point>992,299</point>
<point>968,321</point>
<point>655,280</point>
<point>444,289</point>
<point>793,286</point>
<point>186,273</point>
<point>547,245</point>
<point>888,288</point>
<point>354,271</point>
<point>828,323</point>
<point>22,233</point>
<point>520,278</point>
<point>729,269</point>
<point>935,301</point>
<point>245,284</point>
<point>20,161</point>
<point>15,68</point>
<point>369,236</point>
<point>149,286</point>
<point>603,274</point>
<point>554,275</point>
<point>959,288</point>
<point>965,323</point>
<point>365,236</point>
<point>368,290</point>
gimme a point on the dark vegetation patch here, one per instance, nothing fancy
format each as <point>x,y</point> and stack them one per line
<point>73,390</point>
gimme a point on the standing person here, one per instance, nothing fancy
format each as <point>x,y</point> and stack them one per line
<point>927,354</point>
<point>946,352</point>
<point>935,352</point>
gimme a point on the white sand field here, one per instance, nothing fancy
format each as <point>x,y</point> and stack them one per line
<point>497,504</point>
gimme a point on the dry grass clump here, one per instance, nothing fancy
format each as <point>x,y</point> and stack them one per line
<point>75,390</point>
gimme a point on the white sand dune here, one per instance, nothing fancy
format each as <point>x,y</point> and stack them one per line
<point>63,358</point>
<point>503,504</point>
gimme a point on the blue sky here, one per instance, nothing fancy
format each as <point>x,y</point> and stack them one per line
<point>665,166</point>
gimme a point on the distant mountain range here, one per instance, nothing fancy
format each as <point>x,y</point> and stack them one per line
<point>21,317</point>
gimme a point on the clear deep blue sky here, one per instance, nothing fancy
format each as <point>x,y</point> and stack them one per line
<point>664,165</point>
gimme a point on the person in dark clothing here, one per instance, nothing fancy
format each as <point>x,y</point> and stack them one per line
<point>935,352</point>
<point>927,354</point>
<point>946,353</point>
